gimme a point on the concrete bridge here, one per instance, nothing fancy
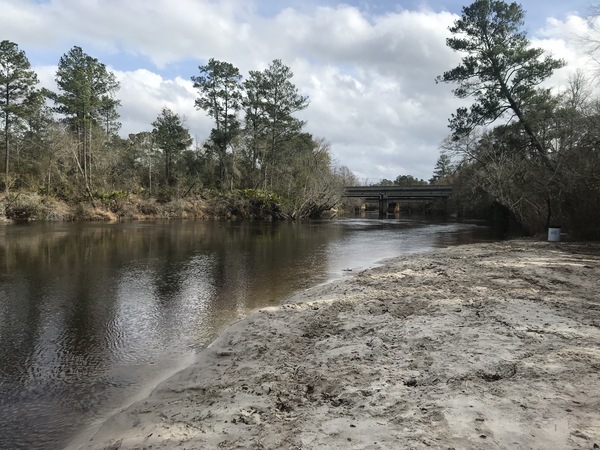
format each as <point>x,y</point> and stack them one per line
<point>386,194</point>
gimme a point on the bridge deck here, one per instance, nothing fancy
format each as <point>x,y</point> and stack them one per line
<point>398,192</point>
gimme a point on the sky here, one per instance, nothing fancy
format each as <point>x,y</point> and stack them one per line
<point>368,67</point>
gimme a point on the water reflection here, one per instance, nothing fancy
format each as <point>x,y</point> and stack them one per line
<point>91,312</point>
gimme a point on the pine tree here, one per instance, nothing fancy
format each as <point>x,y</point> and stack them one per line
<point>499,70</point>
<point>17,94</point>
<point>172,138</point>
<point>86,99</point>
<point>220,95</point>
<point>270,102</point>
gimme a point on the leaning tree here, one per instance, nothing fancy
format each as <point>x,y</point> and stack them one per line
<point>502,73</point>
<point>499,69</point>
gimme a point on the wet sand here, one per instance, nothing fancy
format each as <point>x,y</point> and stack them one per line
<point>478,346</point>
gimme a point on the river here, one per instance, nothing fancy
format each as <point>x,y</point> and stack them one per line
<point>93,314</point>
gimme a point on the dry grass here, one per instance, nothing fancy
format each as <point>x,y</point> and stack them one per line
<point>25,206</point>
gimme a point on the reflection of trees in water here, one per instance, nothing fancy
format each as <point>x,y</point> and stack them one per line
<point>68,275</point>
<point>63,295</point>
<point>53,344</point>
<point>168,276</point>
<point>17,342</point>
<point>259,265</point>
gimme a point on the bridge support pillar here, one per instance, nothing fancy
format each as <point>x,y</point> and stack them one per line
<point>383,205</point>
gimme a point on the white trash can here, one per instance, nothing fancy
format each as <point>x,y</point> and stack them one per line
<point>554,234</point>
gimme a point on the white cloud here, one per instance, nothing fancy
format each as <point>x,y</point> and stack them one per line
<point>143,94</point>
<point>566,39</point>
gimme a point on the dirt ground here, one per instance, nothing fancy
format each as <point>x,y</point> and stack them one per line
<point>479,346</point>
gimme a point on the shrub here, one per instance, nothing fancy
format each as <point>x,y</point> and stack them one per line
<point>32,207</point>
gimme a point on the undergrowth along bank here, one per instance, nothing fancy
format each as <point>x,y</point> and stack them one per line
<point>115,206</point>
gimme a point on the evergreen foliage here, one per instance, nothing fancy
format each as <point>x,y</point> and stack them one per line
<point>18,96</point>
<point>86,102</point>
<point>500,70</point>
<point>220,95</point>
<point>171,137</point>
<point>71,150</point>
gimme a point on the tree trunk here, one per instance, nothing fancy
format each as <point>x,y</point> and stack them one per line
<point>7,152</point>
<point>540,148</point>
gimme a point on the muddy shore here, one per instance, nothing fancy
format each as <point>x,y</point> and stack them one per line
<point>478,346</point>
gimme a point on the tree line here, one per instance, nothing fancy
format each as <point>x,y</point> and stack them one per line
<point>530,150</point>
<point>526,149</point>
<point>67,143</point>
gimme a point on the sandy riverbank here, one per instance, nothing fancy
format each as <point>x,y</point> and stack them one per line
<point>481,346</point>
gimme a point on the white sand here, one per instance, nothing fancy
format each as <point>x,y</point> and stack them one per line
<point>480,346</point>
